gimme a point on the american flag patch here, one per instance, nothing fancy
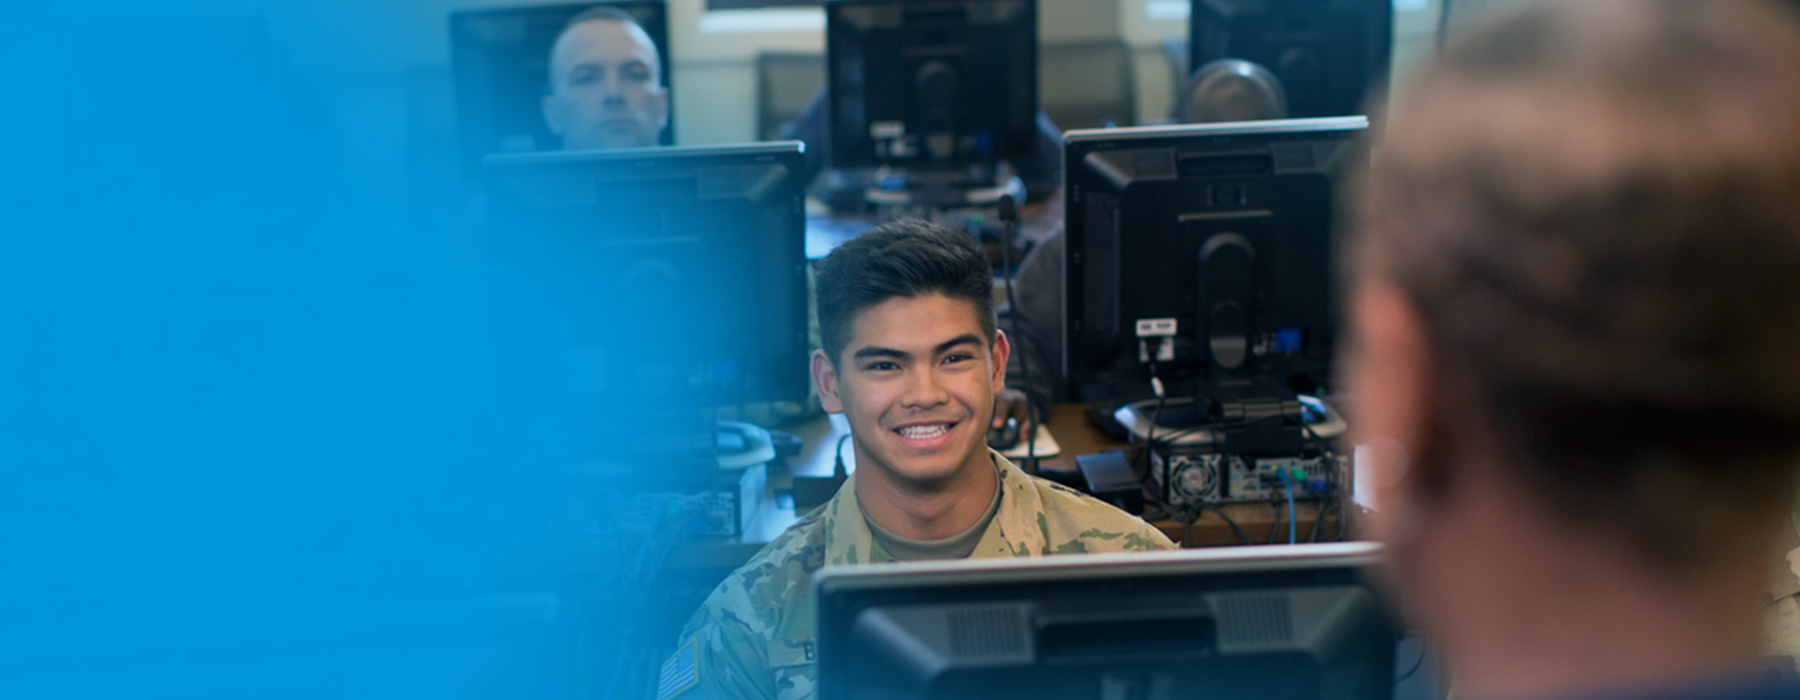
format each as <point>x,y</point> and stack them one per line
<point>680,672</point>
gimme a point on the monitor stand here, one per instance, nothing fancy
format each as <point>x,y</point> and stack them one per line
<point>940,187</point>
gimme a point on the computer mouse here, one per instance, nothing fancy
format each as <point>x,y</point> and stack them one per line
<point>1005,436</point>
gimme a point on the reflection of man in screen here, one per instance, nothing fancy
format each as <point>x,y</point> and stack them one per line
<point>606,86</point>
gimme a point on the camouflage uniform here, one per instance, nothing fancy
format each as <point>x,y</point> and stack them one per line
<point>753,638</point>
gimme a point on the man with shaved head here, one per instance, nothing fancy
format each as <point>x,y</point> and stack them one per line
<point>606,84</point>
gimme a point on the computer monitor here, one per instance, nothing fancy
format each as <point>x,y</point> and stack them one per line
<point>1208,248</point>
<point>1262,623</point>
<point>931,83</point>
<point>1329,54</point>
<point>500,59</point>
<point>630,276</point>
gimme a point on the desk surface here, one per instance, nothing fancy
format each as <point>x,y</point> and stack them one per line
<point>1067,422</point>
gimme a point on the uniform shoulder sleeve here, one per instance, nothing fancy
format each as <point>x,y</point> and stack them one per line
<point>720,655</point>
<point>731,632</point>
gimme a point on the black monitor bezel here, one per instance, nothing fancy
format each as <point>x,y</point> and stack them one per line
<point>842,592</point>
<point>791,155</point>
<point>860,152</point>
<point>1377,44</point>
<point>1225,137</point>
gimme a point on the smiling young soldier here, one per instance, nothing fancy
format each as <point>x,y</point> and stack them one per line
<point>913,359</point>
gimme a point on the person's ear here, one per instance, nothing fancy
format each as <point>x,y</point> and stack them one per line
<point>1002,351</point>
<point>825,377</point>
<point>553,114</point>
<point>1393,381</point>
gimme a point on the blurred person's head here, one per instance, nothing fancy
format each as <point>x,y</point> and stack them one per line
<point>912,355</point>
<point>606,84</point>
<point>1231,90</point>
<point>1577,308</point>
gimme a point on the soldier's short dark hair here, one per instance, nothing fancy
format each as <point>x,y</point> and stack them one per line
<point>1595,208</point>
<point>903,258</point>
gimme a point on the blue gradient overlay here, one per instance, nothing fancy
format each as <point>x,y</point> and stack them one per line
<point>250,444</point>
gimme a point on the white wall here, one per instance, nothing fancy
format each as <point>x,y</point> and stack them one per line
<point>715,87</point>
